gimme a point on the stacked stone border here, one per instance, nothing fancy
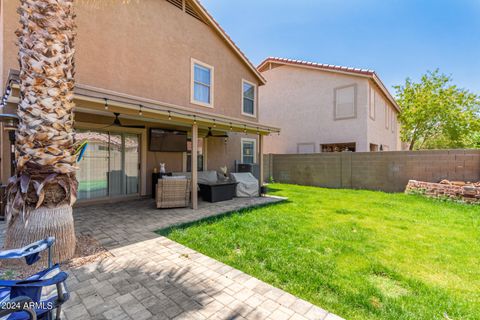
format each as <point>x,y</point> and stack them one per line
<point>468,194</point>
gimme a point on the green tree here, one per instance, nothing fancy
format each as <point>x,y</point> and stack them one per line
<point>437,114</point>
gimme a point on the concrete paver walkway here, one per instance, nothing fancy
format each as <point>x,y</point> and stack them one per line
<point>152,277</point>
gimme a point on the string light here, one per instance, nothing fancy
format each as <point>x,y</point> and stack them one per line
<point>245,129</point>
<point>258,130</point>
<point>8,91</point>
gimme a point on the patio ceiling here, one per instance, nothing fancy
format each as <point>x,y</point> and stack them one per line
<point>105,102</point>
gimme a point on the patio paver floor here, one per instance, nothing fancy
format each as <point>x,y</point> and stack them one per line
<point>153,277</point>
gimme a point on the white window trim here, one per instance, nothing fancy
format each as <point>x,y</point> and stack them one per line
<point>354,116</point>
<point>192,81</point>
<point>254,115</point>
<point>392,121</point>
<point>254,148</point>
<point>304,144</point>
<point>372,106</point>
<point>387,115</point>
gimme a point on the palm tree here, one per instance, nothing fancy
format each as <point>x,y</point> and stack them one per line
<point>44,187</point>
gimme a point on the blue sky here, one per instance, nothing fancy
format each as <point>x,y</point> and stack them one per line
<point>396,38</point>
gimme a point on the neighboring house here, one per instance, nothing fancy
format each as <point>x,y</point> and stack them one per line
<point>326,108</point>
<point>162,64</point>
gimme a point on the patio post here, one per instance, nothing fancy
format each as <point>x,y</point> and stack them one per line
<point>194,166</point>
<point>260,161</point>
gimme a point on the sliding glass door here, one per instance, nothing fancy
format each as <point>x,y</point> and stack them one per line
<point>132,162</point>
<point>93,173</point>
<point>116,186</point>
<point>110,166</point>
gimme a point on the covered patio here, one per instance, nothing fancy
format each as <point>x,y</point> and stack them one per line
<point>114,116</point>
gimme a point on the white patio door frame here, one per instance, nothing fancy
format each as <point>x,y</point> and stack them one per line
<point>141,167</point>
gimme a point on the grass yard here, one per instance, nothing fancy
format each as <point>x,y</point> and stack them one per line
<point>359,254</point>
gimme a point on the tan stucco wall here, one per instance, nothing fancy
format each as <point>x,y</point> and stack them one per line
<point>2,18</point>
<point>144,48</point>
<point>221,154</point>
<point>301,102</point>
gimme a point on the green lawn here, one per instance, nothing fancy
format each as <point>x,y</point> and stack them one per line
<point>92,185</point>
<point>359,254</point>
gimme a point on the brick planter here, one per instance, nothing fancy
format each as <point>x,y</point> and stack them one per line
<point>470,194</point>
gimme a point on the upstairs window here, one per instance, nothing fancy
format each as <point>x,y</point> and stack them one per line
<point>387,115</point>
<point>248,98</point>
<point>372,103</point>
<point>202,84</point>
<point>345,102</point>
<point>394,121</point>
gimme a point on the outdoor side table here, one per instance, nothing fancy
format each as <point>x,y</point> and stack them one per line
<point>216,192</point>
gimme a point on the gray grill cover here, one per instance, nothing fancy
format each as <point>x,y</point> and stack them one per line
<point>247,184</point>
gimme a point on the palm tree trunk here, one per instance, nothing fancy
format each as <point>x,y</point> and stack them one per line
<point>56,222</point>
<point>41,194</point>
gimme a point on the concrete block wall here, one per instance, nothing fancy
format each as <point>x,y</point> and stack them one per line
<point>386,171</point>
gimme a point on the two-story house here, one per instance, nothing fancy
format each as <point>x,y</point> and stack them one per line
<point>156,81</point>
<point>326,108</point>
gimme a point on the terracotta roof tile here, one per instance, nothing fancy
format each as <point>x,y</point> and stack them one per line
<point>319,65</point>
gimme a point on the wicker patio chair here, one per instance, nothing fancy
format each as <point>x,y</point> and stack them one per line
<point>173,193</point>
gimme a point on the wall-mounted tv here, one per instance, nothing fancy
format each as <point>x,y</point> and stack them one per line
<point>162,140</point>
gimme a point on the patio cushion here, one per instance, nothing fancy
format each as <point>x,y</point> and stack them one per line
<point>175,178</point>
<point>247,184</point>
<point>202,176</point>
<point>207,177</point>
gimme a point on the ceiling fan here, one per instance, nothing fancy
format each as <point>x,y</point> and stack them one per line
<point>211,135</point>
<point>117,123</point>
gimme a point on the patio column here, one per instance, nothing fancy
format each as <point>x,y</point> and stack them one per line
<point>194,166</point>
<point>260,160</point>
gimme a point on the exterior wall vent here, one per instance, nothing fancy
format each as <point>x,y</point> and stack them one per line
<point>177,3</point>
<point>187,7</point>
<point>191,11</point>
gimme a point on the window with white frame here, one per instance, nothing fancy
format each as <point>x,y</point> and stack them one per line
<point>394,121</point>
<point>387,115</point>
<point>345,102</point>
<point>248,98</point>
<point>304,148</point>
<point>202,84</point>
<point>372,103</point>
<point>249,151</point>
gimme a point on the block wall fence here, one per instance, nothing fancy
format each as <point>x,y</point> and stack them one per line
<point>386,171</point>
